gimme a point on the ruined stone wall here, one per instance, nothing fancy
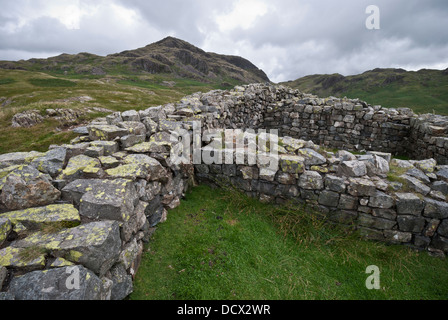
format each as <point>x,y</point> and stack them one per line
<point>84,210</point>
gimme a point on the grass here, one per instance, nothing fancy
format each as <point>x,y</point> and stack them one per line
<point>52,83</point>
<point>27,90</point>
<point>222,245</point>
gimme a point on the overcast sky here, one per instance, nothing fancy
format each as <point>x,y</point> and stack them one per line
<point>288,39</point>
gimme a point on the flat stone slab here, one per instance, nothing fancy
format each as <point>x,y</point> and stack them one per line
<point>18,158</point>
<point>58,284</point>
<point>78,166</point>
<point>35,217</point>
<point>21,258</point>
<point>103,199</point>
<point>106,132</point>
<point>26,187</point>
<point>292,164</point>
<point>95,245</point>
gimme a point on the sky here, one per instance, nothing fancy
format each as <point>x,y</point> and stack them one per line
<point>287,39</point>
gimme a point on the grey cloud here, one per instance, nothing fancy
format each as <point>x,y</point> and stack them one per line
<point>294,38</point>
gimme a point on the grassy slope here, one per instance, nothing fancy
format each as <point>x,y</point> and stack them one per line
<point>425,91</point>
<point>36,90</point>
<point>238,248</point>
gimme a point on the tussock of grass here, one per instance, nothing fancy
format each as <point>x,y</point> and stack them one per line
<point>220,244</point>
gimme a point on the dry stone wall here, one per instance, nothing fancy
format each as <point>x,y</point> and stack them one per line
<point>74,220</point>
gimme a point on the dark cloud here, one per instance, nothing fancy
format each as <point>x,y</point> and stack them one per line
<point>288,38</point>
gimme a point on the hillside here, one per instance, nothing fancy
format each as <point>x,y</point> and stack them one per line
<point>170,56</point>
<point>424,91</point>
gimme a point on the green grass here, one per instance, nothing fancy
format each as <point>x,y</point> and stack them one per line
<point>6,81</point>
<point>221,245</point>
<point>119,92</point>
<point>52,83</point>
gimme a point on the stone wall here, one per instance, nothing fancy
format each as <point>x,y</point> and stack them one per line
<point>84,210</point>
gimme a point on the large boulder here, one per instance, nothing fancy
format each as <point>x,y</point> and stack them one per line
<point>26,187</point>
<point>96,245</point>
<point>103,199</point>
<point>69,283</point>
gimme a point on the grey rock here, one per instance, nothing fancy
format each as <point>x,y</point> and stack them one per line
<point>57,284</point>
<point>130,115</point>
<point>334,183</point>
<point>435,209</point>
<point>26,187</point>
<point>121,283</point>
<point>311,157</point>
<point>410,223</point>
<point>95,245</point>
<point>416,184</point>
<point>441,186</point>
<point>409,203</point>
<point>347,202</point>
<point>329,198</point>
<point>311,180</point>
<point>381,200</point>
<point>416,173</point>
<point>369,221</point>
<point>361,187</point>
<point>443,228</point>
<point>352,168</point>
<point>53,161</point>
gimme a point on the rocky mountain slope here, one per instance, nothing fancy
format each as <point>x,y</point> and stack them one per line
<point>423,91</point>
<point>168,56</point>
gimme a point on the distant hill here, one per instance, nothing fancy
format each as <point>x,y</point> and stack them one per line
<point>169,56</point>
<point>424,90</point>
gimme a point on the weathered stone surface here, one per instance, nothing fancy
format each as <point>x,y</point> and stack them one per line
<point>95,245</point>
<point>352,168</point>
<point>334,183</point>
<point>122,283</point>
<point>443,228</point>
<point>151,147</point>
<point>291,164</point>
<point>103,199</point>
<point>435,209</point>
<point>109,147</point>
<point>416,173</point>
<point>130,115</point>
<point>18,158</point>
<point>311,157</point>
<point>361,187</point>
<point>409,203</point>
<point>427,166</point>
<point>411,223</point>
<point>397,236</point>
<point>79,167</point>
<point>106,132</point>
<point>416,184</point>
<point>57,284</point>
<point>26,187</point>
<point>52,162</point>
<point>369,221</point>
<point>133,127</point>
<point>347,202</point>
<point>21,258</point>
<point>128,171</point>
<point>154,167</point>
<point>329,198</point>
<point>5,229</point>
<point>381,200</point>
<point>33,218</point>
<point>311,180</point>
